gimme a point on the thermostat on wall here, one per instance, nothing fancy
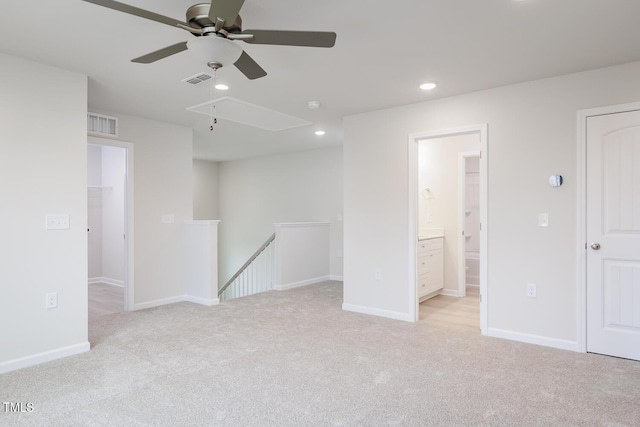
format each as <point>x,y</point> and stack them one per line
<point>555,180</point>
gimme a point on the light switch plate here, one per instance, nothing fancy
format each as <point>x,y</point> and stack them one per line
<point>57,222</point>
<point>51,300</point>
<point>168,219</point>
<point>543,220</point>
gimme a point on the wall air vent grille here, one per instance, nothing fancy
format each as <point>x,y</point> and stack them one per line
<point>102,125</point>
<point>198,78</point>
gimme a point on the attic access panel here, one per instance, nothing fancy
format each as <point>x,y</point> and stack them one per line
<point>234,110</point>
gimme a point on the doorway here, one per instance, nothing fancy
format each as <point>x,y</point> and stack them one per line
<point>109,227</point>
<point>437,205</point>
<point>610,230</point>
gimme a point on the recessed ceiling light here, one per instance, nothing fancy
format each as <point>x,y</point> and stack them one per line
<point>221,86</point>
<point>319,132</point>
<point>428,86</point>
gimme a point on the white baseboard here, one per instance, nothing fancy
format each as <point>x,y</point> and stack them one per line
<point>534,339</point>
<point>377,312</point>
<point>202,301</point>
<point>47,356</point>
<point>450,292</point>
<point>173,300</point>
<point>336,278</point>
<point>107,281</point>
<point>301,283</point>
<point>158,302</point>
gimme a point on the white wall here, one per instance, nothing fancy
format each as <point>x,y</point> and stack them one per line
<point>532,134</point>
<point>162,176</point>
<point>206,177</point>
<point>201,261</point>
<point>438,171</point>
<point>294,187</point>
<point>43,158</point>
<point>302,254</point>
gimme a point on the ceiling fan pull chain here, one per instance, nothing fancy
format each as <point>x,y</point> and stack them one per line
<point>214,120</point>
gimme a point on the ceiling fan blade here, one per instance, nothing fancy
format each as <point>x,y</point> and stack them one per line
<point>225,10</point>
<point>249,67</point>
<point>162,53</point>
<point>292,38</point>
<point>132,10</point>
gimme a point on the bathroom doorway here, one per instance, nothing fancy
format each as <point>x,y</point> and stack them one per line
<point>448,226</point>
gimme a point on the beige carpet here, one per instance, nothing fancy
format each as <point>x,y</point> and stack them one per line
<point>294,358</point>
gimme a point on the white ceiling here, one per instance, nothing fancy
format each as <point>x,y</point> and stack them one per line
<point>384,50</point>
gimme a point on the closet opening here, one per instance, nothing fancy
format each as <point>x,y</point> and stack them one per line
<point>109,281</point>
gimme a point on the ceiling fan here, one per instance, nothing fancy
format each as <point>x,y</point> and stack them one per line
<point>217,25</point>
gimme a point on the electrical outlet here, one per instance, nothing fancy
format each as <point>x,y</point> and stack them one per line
<point>377,274</point>
<point>532,291</point>
<point>51,300</point>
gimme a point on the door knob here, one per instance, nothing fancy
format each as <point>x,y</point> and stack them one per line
<point>595,246</point>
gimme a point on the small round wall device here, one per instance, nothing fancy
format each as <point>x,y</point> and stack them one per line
<point>555,180</point>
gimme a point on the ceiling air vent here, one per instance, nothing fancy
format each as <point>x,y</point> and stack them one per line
<point>197,79</point>
<point>102,125</point>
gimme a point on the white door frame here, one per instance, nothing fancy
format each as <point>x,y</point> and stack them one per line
<point>128,208</point>
<point>414,140</point>
<point>462,201</point>
<point>581,221</point>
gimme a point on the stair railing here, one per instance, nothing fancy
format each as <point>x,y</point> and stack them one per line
<point>255,275</point>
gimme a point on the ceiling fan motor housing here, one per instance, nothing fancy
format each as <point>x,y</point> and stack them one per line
<point>198,17</point>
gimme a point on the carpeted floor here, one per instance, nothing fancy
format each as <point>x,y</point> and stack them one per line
<point>294,358</point>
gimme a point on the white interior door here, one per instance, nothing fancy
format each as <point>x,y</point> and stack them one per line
<point>613,234</point>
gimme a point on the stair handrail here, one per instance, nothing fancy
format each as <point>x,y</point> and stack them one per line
<point>246,264</point>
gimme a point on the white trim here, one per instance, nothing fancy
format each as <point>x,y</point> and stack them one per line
<point>462,202</point>
<point>413,230</point>
<point>202,222</point>
<point>581,215</point>
<point>106,281</point>
<point>301,283</point>
<point>451,293</point>
<point>534,339</point>
<point>413,140</point>
<point>301,224</point>
<point>47,356</point>
<point>378,312</point>
<point>336,278</point>
<point>179,298</point>
<point>202,301</point>
<point>158,302</point>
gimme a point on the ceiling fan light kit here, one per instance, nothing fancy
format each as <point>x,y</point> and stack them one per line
<point>215,51</point>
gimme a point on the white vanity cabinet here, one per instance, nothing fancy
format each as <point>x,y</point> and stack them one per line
<point>430,266</point>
